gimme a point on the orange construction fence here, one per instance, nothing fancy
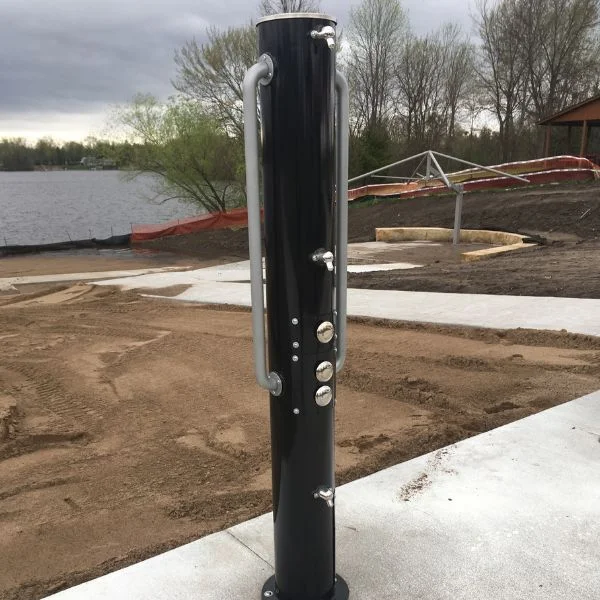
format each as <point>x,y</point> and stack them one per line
<point>237,217</point>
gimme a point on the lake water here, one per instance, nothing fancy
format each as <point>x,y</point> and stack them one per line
<point>44,207</point>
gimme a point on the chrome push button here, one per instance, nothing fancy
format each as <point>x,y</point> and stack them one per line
<point>324,395</point>
<point>324,371</point>
<point>325,332</point>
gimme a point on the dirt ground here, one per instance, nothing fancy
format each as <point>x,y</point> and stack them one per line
<point>565,218</point>
<point>120,437</point>
<point>85,261</point>
<point>568,271</point>
<point>137,425</point>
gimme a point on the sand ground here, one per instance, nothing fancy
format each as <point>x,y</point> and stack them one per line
<point>50,263</point>
<point>133,425</point>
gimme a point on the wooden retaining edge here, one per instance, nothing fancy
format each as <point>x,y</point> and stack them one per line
<point>508,241</point>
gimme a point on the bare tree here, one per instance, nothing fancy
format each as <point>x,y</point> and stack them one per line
<point>458,72</point>
<point>271,7</point>
<point>431,77</point>
<point>375,37</point>
<point>560,45</point>
<point>502,69</point>
<point>212,73</point>
<point>419,77</point>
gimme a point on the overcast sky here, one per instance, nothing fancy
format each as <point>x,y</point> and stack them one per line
<point>64,63</point>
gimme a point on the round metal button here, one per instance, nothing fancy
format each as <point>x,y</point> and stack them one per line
<point>324,395</point>
<point>324,371</point>
<point>325,332</point>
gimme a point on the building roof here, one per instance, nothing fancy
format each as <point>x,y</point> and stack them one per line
<point>588,110</point>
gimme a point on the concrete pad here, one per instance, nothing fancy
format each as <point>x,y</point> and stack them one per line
<point>240,271</point>
<point>164,280</point>
<point>575,315</point>
<point>360,250</point>
<point>217,566</point>
<point>210,292</point>
<point>224,285</point>
<point>232,272</point>
<point>509,514</point>
<point>382,267</point>
<point>8,283</point>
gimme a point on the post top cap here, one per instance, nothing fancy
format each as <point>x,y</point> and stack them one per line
<point>296,16</point>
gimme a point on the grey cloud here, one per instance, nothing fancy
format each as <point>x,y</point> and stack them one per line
<point>65,64</point>
<point>79,55</point>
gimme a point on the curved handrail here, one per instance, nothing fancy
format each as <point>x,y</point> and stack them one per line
<point>261,72</point>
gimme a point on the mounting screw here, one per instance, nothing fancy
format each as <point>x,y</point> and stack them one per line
<point>296,411</point>
<point>295,321</point>
<point>295,358</point>
<point>268,594</point>
<point>296,345</point>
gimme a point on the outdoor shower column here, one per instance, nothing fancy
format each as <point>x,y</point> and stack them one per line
<point>305,240</point>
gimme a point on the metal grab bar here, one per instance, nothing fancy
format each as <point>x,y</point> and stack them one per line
<point>341,254</point>
<point>261,72</point>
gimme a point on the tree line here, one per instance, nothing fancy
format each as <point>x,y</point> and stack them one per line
<point>16,154</point>
<point>476,97</point>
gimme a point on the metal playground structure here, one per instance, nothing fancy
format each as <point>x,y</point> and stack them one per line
<point>434,175</point>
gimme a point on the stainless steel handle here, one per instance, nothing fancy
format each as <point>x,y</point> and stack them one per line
<point>261,72</point>
<point>341,254</point>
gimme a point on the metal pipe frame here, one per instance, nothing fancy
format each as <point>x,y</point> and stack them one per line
<point>435,171</point>
<point>395,164</point>
<point>488,169</point>
<point>431,154</point>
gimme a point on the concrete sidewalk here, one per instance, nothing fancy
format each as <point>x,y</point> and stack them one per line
<point>223,285</point>
<point>8,283</point>
<point>510,514</point>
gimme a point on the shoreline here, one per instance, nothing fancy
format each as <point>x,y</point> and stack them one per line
<point>115,241</point>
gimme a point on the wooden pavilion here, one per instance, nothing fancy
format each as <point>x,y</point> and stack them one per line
<point>584,116</point>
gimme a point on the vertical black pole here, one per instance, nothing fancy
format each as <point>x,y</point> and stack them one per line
<point>297,116</point>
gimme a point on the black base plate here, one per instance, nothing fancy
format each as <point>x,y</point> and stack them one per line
<point>341,591</point>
